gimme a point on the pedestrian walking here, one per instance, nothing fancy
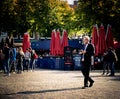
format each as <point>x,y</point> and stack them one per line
<point>32,57</point>
<point>35,56</point>
<point>2,60</point>
<point>86,53</point>
<point>3,43</point>
<point>112,58</point>
<point>106,68</point>
<point>7,59</point>
<point>20,56</point>
<point>13,54</point>
<point>27,59</point>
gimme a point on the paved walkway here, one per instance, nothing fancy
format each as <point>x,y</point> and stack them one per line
<point>53,84</point>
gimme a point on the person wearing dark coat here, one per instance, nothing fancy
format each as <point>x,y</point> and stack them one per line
<point>105,63</point>
<point>2,42</point>
<point>8,40</point>
<point>112,58</point>
<point>7,58</point>
<point>87,52</point>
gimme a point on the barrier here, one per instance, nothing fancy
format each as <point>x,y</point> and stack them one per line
<point>50,63</point>
<point>77,61</point>
<point>57,63</point>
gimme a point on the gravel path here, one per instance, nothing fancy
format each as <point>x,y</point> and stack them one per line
<point>53,84</point>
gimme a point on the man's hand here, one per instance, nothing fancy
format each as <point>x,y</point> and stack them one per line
<point>82,52</point>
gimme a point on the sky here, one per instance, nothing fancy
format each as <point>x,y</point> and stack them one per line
<point>70,1</point>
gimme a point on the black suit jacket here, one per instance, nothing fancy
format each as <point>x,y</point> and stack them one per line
<point>89,53</point>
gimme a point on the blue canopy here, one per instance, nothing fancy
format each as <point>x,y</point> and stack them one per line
<point>45,44</point>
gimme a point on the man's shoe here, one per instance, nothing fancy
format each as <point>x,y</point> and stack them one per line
<point>85,86</point>
<point>91,84</point>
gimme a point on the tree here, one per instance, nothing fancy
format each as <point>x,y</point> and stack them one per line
<point>19,16</point>
<point>99,11</point>
<point>46,15</point>
<point>61,16</point>
<point>13,16</point>
<point>6,18</point>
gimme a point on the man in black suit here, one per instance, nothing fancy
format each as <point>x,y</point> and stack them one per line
<point>87,52</point>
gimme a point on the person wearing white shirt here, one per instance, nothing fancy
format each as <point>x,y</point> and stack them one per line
<point>86,53</point>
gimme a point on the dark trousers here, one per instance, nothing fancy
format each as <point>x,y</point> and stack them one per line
<point>27,64</point>
<point>6,65</point>
<point>112,67</point>
<point>31,63</point>
<point>85,71</point>
<point>105,67</point>
<point>12,66</point>
<point>20,66</point>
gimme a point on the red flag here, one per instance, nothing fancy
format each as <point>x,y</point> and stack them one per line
<point>95,38</point>
<point>57,43</point>
<point>101,41</point>
<point>109,37</point>
<point>64,41</point>
<point>52,43</point>
<point>26,42</point>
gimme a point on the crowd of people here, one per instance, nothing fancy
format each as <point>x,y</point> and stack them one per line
<point>13,59</point>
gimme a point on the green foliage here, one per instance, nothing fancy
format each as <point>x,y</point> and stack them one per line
<point>97,12</point>
<point>19,16</point>
<point>13,16</point>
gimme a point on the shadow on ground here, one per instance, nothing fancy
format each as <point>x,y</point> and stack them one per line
<point>116,78</point>
<point>44,91</point>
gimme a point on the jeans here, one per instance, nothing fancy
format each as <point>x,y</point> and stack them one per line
<point>105,67</point>
<point>3,66</point>
<point>31,63</point>
<point>6,66</point>
<point>12,65</point>
<point>20,64</point>
<point>34,64</point>
<point>27,64</point>
<point>112,67</point>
